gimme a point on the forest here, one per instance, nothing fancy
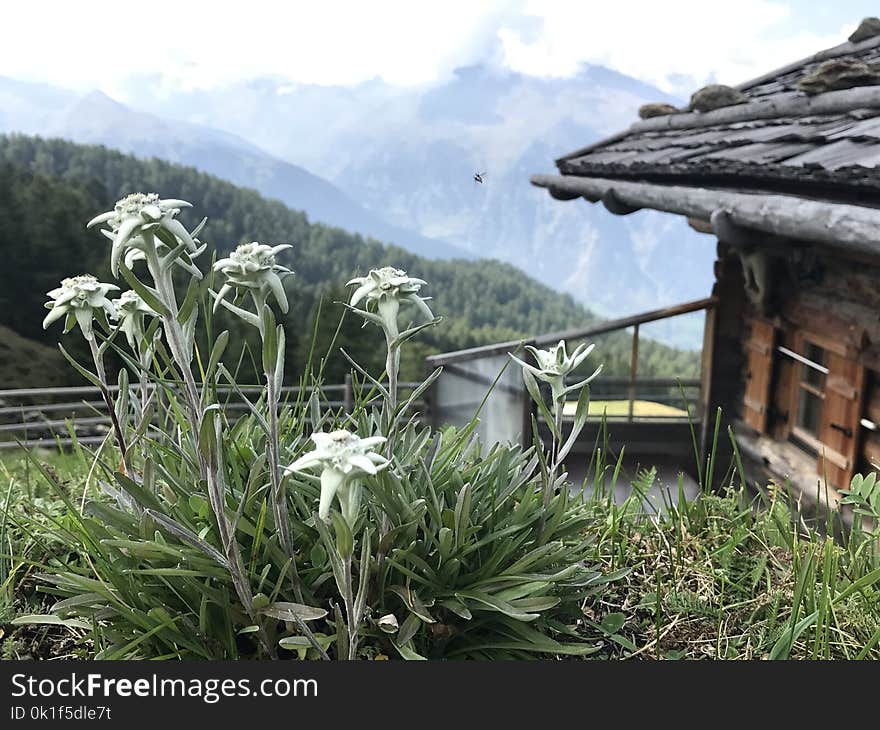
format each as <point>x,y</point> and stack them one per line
<point>49,188</point>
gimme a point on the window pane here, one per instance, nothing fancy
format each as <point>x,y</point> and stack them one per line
<point>809,411</point>
<point>811,375</point>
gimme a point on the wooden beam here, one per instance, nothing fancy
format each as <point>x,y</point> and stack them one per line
<point>700,226</point>
<point>613,204</point>
<point>738,236</point>
<point>848,227</point>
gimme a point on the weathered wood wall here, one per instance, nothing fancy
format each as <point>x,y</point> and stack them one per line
<point>834,299</point>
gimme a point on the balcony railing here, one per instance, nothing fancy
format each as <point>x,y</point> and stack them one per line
<point>483,378</point>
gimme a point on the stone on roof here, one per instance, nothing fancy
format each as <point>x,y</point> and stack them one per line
<point>715,96</point>
<point>840,73</point>
<point>657,109</point>
<point>868,28</point>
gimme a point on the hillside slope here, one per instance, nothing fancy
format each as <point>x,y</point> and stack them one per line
<point>49,188</point>
<point>95,118</point>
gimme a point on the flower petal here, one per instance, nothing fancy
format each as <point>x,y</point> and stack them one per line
<point>103,218</point>
<point>122,235</point>
<point>55,314</point>
<point>176,228</point>
<point>169,203</point>
<point>371,441</point>
<point>331,480</point>
<point>277,289</point>
<point>362,462</point>
<point>360,292</point>
<point>224,290</point>
<point>304,462</point>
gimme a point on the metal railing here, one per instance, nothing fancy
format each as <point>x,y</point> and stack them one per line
<point>36,417</point>
<point>469,374</point>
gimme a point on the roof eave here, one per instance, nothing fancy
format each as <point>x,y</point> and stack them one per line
<point>848,227</point>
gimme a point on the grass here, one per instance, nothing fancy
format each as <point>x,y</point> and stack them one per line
<point>619,408</point>
<point>723,576</point>
<point>729,576</point>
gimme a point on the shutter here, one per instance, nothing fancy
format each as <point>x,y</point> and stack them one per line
<point>841,418</point>
<point>759,372</point>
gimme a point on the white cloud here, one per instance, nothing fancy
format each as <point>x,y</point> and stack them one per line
<point>194,44</point>
<point>657,41</point>
<point>202,44</point>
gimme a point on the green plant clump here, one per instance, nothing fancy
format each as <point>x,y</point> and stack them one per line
<point>292,528</point>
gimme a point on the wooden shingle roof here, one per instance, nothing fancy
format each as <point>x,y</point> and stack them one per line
<point>781,139</point>
<point>798,166</point>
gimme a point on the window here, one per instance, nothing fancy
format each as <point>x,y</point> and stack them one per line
<point>806,405</point>
<point>819,399</point>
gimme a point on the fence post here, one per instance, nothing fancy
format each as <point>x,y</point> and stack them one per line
<point>633,371</point>
<point>529,410</point>
<point>348,397</point>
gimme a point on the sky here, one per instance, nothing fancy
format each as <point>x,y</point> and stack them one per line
<point>673,44</point>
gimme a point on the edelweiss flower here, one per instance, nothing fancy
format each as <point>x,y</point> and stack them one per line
<point>343,457</point>
<point>384,290</point>
<point>130,313</point>
<point>252,266</point>
<point>555,364</point>
<point>81,298</point>
<point>138,213</point>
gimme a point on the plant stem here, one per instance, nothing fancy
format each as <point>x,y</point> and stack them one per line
<point>555,445</point>
<point>208,466</point>
<point>391,367</point>
<point>231,549</point>
<point>98,359</point>
<point>273,448</point>
<point>352,621</point>
<point>174,332</point>
<point>279,497</point>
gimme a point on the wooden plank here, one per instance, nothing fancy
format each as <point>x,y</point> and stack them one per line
<point>759,374</point>
<point>840,427</point>
<point>829,324</point>
<point>843,153</point>
<point>781,399</point>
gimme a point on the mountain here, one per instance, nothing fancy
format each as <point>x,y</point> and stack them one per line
<point>95,118</point>
<point>409,154</point>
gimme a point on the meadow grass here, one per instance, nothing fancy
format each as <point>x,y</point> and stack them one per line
<point>727,575</point>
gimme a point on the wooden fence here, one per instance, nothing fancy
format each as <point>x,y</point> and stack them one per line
<point>45,416</point>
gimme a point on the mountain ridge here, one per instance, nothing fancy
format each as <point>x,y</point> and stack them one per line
<point>95,118</point>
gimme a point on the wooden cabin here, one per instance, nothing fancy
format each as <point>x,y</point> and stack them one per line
<point>784,172</point>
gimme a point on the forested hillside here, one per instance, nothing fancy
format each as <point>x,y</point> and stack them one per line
<point>50,188</point>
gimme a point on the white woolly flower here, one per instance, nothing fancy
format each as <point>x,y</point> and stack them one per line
<point>384,290</point>
<point>130,313</point>
<point>140,213</point>
<point>554,364</point>
<point>80,298</point>
<point>342,457</point>
<point>252,266</point>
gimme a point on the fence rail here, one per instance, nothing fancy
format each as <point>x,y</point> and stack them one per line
<point>36,417</point>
